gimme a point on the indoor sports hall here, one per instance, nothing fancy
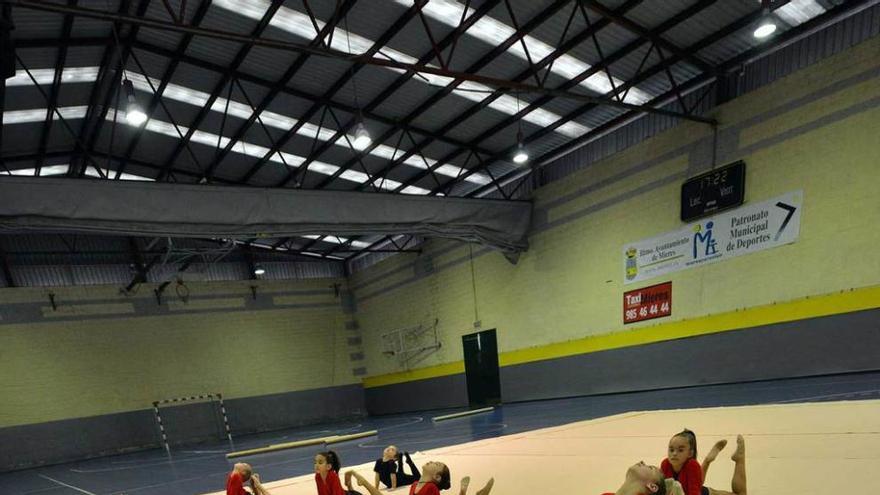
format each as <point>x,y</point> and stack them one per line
<point>510,247</point>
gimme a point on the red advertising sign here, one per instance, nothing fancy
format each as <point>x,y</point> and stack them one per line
<point>647,303</point>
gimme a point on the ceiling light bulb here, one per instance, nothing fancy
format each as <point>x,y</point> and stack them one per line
<point>521,156</point>
<point>259,270</point>
<point>134,115</point>
<point>362,138</point>
<point>765,29</point>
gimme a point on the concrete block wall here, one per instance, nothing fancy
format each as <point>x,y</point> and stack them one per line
<point>85,373</point>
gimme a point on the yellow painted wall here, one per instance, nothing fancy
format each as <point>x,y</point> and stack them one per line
<point>52,370</point>
<point>568,286</point>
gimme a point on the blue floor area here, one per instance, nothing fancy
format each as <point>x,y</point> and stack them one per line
<point>201,469</point>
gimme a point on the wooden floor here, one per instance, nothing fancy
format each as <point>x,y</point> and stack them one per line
<point>821,448</point>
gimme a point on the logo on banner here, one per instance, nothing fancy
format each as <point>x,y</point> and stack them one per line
<point>632,267</point>
<point>704,244</point>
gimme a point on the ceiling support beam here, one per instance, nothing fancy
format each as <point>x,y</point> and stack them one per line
<point>339,14</point>
<point>532,70</point>
<point>832,16</point>
<point>384,95</point>
<point>114,61</point>
<point>60,62</point>
<point>339,55</point>
<point>298,176</point>
<point>156,100</point>
<point>218,88</point>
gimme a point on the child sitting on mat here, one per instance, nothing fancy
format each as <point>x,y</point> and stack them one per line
<point>241,474</point>
<point>682,465</point>
<point>389,469</point>
<point>327,466</point>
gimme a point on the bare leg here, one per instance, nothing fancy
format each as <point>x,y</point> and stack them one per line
<point>362,482</point>
<point>488,488</point>
<point>738,483</point>
<point>710,457</point>
<point>464,485</point>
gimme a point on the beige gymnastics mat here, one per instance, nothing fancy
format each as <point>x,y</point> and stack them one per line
<point>820,448</point>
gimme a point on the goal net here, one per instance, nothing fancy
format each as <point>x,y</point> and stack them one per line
<point>191,419</point>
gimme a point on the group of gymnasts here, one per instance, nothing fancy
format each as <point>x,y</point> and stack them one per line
<point>679,474</point>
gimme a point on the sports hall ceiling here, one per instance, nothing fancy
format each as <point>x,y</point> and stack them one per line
<point>276,93</point>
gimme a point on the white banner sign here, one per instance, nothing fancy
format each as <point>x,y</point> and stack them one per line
<point>745,230</point>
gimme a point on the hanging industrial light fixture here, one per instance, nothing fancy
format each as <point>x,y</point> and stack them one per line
<point>362,137</point>
<point>521,155</point>
<point>766,26</point>
<point>134,115</point>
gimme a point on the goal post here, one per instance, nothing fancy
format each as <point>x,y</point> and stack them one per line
<point>215,398</point>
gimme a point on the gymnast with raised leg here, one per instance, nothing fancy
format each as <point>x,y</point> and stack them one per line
<point>389,469</point>
<point>642,479</point>
<point>738,482</point>
<point>682,466</point>
<point>435,477</point>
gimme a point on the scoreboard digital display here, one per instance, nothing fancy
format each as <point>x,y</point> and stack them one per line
<point>714,191</point>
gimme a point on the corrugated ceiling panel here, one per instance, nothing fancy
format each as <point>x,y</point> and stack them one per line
<point>766,70</point>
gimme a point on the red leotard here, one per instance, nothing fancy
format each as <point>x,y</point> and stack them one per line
<point>690,476</point>
<point>235,485</point>
<point>331,486</point>
<point>428,489</point>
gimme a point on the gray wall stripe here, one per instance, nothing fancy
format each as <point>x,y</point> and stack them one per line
<point>844,343</point>
<point>73,439</point>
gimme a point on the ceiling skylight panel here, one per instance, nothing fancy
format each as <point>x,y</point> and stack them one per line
<point>415,190</point>
<point>201,137</point>
<point>257,151</point>
<point>332,239</point>
<point>39,115</point>
<point>495,32</point>
<point>24,172</point>
<point>91,172</point>
<point>797,12</point>
<point>47,76</point>
<point>191,96</point>
<point>45,171</point>
<point>416,161</point>
<point>48,170</point>
<point>272,119</point>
